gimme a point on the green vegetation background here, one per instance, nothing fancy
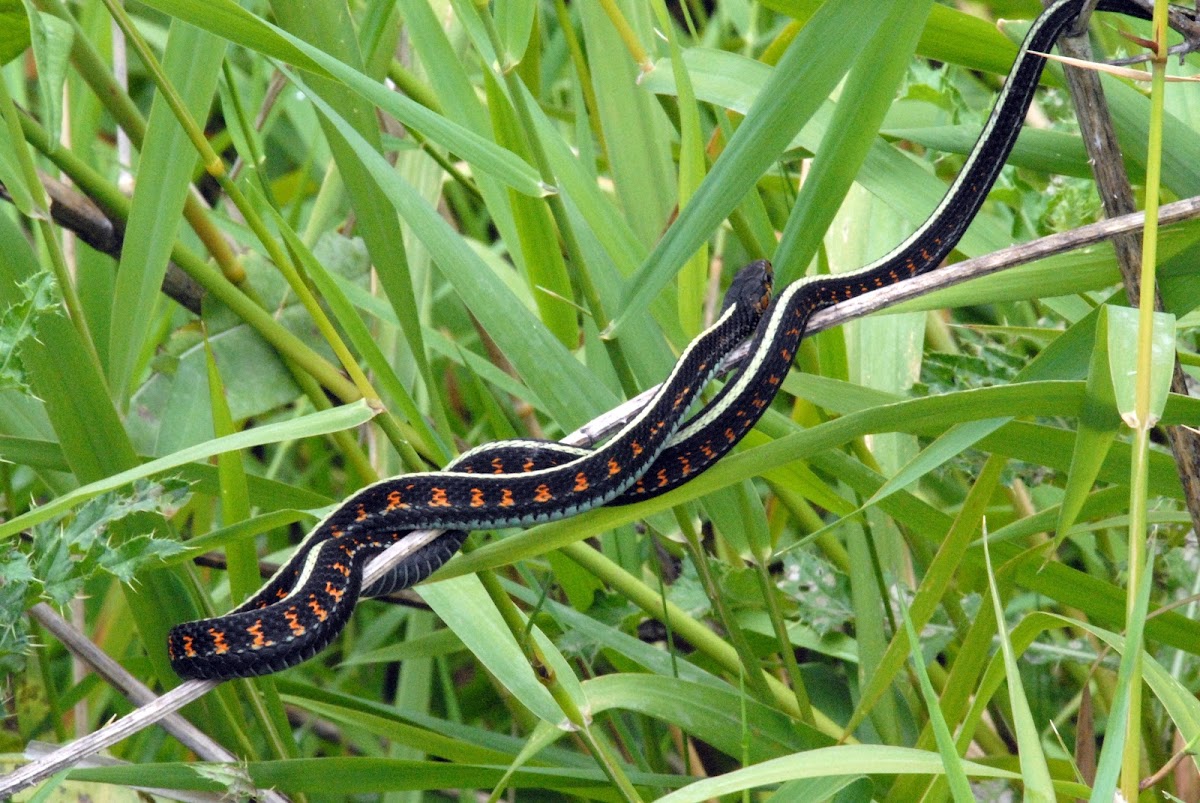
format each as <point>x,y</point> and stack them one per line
<point>435,209</point>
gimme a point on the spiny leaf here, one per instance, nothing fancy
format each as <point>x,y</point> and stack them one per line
<point>16,324</point>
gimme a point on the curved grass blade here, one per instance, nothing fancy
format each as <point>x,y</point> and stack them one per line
<point>321,423</point>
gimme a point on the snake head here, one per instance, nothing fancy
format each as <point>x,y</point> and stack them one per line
<point>751,286</point>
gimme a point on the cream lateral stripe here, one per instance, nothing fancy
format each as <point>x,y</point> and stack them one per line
<point>310,564</point>
<point>306,571</point>
<point>508,445</point>
<point>747,371</point>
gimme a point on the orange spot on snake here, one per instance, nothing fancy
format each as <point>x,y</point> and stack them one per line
<point>260,640</point>
<point>220,645</point>
<point>293,620</point>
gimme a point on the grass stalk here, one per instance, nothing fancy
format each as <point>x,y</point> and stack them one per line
<point>1140,459</point>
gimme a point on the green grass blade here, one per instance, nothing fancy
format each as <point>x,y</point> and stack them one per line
<point>1034,772</point>
<point>192,63</point>
<point>467,610</point>
<point>322,423</point>
<point>865,98</point>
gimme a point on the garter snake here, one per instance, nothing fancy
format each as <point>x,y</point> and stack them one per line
<point>304,606</point>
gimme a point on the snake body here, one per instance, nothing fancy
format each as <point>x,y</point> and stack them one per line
<point>306,604</point>
<point>300,610</point>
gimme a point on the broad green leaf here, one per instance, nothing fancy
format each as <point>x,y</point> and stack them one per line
<point>14,161</point>
<point>825,762</point>
<point>693,278</point>
<point>864,99</point>
<point>465,607</point>
<point>428,741</point>
<point>537,238</point>
<point>735,82</point>
<point>235,502</point>
<point>67,381</point>
<point>164,416</point>
<point>324,25</point>
<point>1045,151</point>
<point>950,35</point>
<point>813,64</point>
<point>717,716</point>
<point>356,330</point>
<point>1099,423</point>
<point>541,360</point>
<point>360,775</point>
<point>514,21</point>
<point>635,135</point>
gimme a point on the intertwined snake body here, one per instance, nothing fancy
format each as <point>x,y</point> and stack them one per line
<point>304,606</point>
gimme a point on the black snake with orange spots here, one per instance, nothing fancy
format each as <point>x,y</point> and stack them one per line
<point>304,606</point>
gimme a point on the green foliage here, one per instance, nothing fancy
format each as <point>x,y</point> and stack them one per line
<point>104,538</point>
<point>433,224</point>
<point>14,30</point>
